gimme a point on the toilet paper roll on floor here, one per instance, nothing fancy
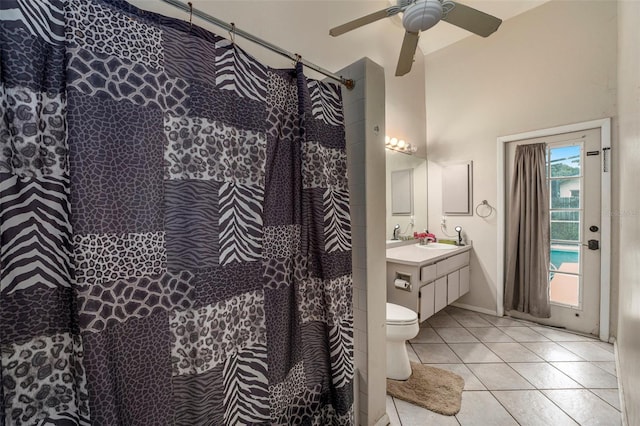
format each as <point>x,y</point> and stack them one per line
<point>402,284</point>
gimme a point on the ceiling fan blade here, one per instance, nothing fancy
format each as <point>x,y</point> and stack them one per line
<point>357,23</point>
<point>473,20</point>
<point>408,50</point>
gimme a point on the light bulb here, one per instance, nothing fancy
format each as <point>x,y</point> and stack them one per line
<point>394,141</point>
<point>401,143</point>
<point>386,140</point>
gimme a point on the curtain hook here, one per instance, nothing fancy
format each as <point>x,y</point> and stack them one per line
<point>232,33</point>
<point>190,15</point>
<point>297,60</point>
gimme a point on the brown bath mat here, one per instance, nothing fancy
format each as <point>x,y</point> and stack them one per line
<point>432,388</point>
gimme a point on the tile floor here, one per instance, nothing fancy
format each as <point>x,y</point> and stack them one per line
<point>515,372</point>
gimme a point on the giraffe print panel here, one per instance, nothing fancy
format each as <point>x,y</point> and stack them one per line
<point>175,226</point>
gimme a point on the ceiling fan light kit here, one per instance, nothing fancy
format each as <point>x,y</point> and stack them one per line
<point>420,15</point>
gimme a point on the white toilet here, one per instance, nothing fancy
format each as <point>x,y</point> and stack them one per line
<point>402,325</point>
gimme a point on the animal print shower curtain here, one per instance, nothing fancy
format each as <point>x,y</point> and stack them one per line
<point>174,226</point>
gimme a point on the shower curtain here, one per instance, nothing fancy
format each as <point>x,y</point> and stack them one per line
<point>176,244</point>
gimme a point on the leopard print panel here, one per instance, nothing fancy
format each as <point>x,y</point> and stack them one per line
<point>205,337</point>
<point>325,300</point>
<point>285,392</point>
<point>201,148</point>
<point>282,91</point>
<point>281,241</point>
<point>33,63</point>
<point>100,258</point>
<point>33,133</point>
<point>44,376</point>
<point>323,167</point>
<point>101,305</point>
<point>100,29</point>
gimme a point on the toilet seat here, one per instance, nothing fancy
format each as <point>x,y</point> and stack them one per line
<point>399,315</point>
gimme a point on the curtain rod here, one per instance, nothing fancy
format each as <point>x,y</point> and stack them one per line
<point>349,84</point>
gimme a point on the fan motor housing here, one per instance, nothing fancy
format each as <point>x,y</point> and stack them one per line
<point>422,15</point>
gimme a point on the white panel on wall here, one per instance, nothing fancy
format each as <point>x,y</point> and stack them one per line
<point>456,189</point>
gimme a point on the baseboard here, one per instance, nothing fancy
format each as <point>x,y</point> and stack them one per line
<point>474,308</point>
<point>623,409</point>
<point>383,421</point>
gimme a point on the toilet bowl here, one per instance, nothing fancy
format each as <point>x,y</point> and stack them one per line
<point>402,325</point>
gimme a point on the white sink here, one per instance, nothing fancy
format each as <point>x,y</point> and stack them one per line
<point>438,246</point>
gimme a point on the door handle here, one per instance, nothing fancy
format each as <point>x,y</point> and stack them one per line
<point>593,245</point>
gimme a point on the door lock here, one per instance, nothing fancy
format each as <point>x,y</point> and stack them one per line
<point>594,228</point>
<point>593,244</point>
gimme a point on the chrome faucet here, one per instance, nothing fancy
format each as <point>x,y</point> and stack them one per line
<point>459,231</point>
<point>396,230</point>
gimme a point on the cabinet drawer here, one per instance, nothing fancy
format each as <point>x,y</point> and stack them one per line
<point>440,294</point>
<point>428,273</point>
<point>427,301</point>
<point>451,264</point>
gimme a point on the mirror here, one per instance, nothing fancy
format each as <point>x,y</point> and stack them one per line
<point>396,161</point>
<point>402,192</point>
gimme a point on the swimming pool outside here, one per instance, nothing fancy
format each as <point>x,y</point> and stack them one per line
<point>564,254</point>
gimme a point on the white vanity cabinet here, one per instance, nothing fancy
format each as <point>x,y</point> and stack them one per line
<point>436,278</point>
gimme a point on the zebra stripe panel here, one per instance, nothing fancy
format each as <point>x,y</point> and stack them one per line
<point>239,72</point>
<point>326,103</point>
<point>43,18</point>
<point>35,233</point>
<point>63,419</point>
<point>246,388</point>
<point>196,401</point>
<point>337,221</point>
<point>240,223</point>
<point>191,224</point>
<point>315,354</point>
<point>341,352</point>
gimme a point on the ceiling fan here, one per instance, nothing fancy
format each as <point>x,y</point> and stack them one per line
<point>420,15</point>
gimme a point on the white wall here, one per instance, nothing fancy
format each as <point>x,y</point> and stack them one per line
<point>551,66</point>
<point>628,159</point>
<point>399,161</point>
<point>364,113</point>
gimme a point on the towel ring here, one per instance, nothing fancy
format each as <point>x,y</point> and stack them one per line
<point>484,203</point>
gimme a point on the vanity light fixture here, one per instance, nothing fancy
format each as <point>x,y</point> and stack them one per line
<point>399,145</point>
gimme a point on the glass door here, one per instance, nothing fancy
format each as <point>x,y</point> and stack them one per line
<point>565,184</point>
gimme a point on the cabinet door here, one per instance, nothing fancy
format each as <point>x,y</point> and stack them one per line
<point>427,301</point>
<point>440,293</point>
<point>464,280</point>
<point>453,287</point>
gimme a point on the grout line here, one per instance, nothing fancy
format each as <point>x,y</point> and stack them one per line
<point>604,400</point>
<point>505,408</point>
<point>393,401</point>
<point>535,388</point>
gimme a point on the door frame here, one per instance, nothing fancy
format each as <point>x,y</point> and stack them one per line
<point>604,125</point>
